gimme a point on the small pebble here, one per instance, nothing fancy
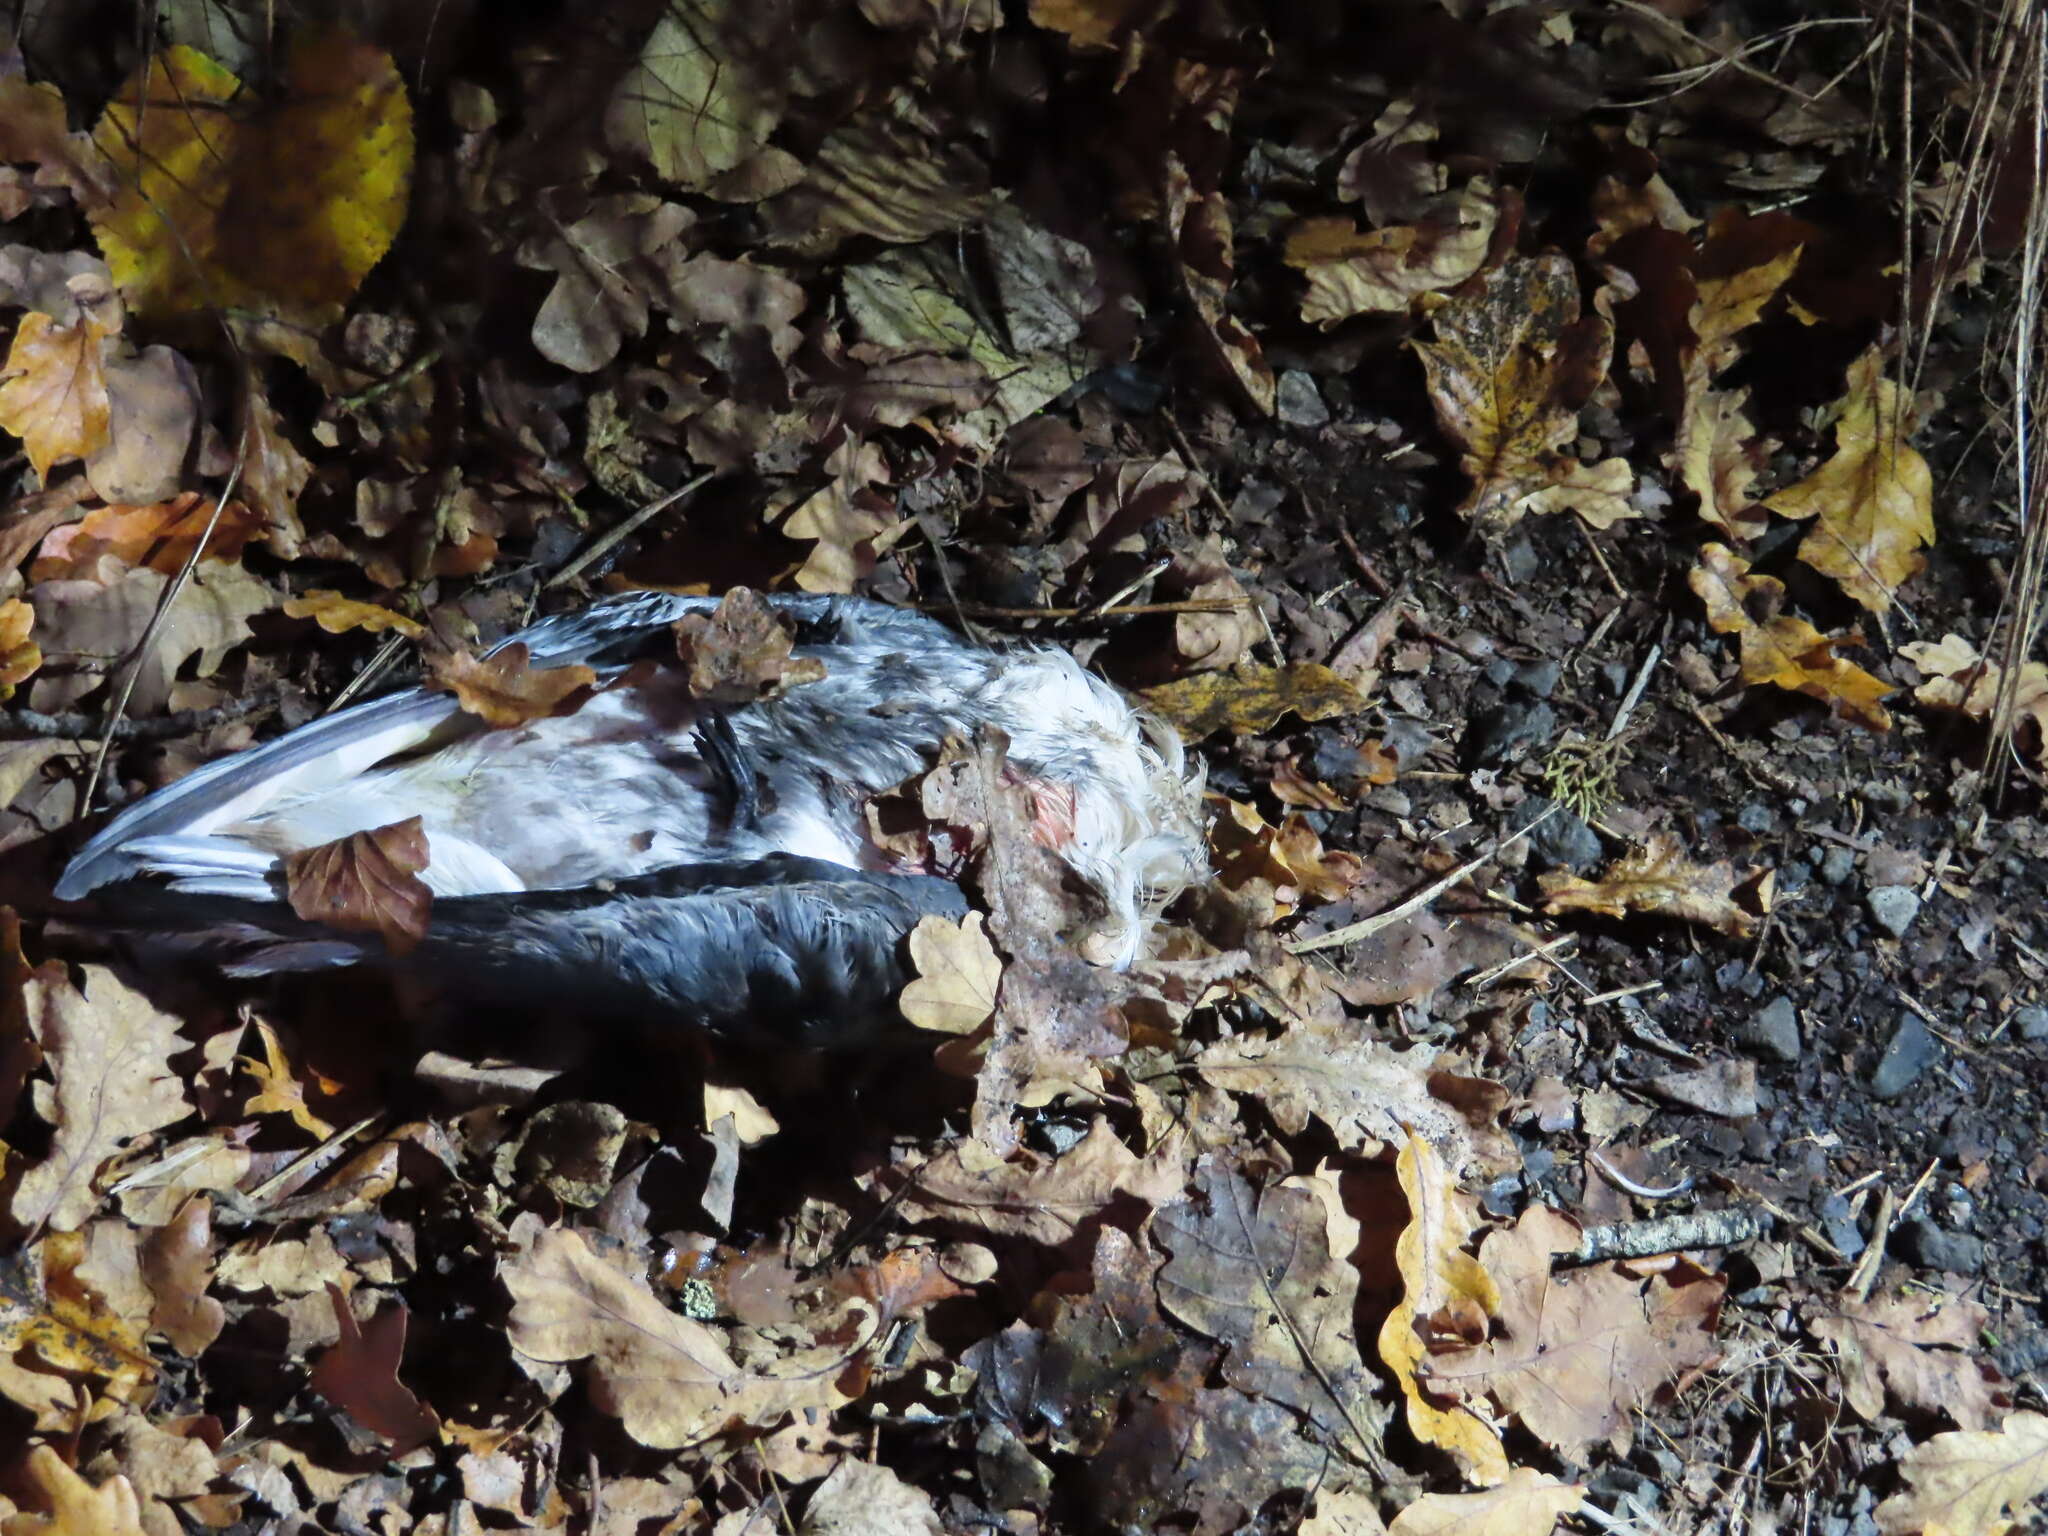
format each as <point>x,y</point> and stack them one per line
<point>1773,1031</point>
<point>1837,864</point>
<point>1756,817</point>
<point>1906,1056</point>
<point>1958,1253</point>
<point>1894,907</point>
<point>2031,1024</point>
<point>1297,403</point>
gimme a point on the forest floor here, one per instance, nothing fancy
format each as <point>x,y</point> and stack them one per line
<point>1557,464</point>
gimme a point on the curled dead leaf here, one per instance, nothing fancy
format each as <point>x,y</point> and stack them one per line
<point>366,882</point>
<point>1659,878</point>
<point>741,651</point>
<point>505,689</point>
<point>338,615</point>
<point>1779,649</point>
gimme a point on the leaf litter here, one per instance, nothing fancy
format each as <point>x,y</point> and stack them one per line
<point>1049,322</point>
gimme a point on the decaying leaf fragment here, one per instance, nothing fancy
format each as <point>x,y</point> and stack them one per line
<point>1659,878</point>
<point>1779,649</point>
<point>1960,679</point>
<point>505,689</point>
<point>1577,1353</point>
<point>19,655</point>
<point>1249,699</point>
<point>1967,1482</point>
<point>55,1328</point>
<point>1512,364</point>
<point>366,882</point>
<point>1444,1289</point>
<point>338,615</point>
<point>284,211</point>
<point>1873,502</point>
<point>741,651</point>
<point>954,992</point>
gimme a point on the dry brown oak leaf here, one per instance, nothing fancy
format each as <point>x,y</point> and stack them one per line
<point>1526,1504</point>
<point>1924,1348</point>
<point>667,1378</point>
<point>1576,1352</point>
<point>366,882</point>
<point>108,1052</point>
<point>505,688</point>
<point>1659,878</point>
<point>1967,1482</point>
<point>77,1508</point>
<point>741,651</point>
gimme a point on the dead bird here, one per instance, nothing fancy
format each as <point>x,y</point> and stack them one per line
<point>648,854</point>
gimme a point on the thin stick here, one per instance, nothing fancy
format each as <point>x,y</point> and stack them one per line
<point>1367,927</point>
<point>606,542</point>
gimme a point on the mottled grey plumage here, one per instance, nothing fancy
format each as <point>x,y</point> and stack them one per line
<point>647,855</point>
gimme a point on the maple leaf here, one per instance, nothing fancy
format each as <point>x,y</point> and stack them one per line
<point>504,689</point>
<point>77,1508</point>
<point>1442,1287</point>
<point>279,1089</point>
<point>53,388</point>
<point>160,537</point>
<point>19,655</point>
<point>360,1375</point>
<point>1255,1271</point>
<point>283,210</point>
<point>1966,1482</point>
<point>1383,271</point>
<point>1873,502</point>
<point>365,882</point>
<point>1657,877</point>
<point>108,1050</point>
<point>741,651</point>
<point>668,1379</point>
<point>338,615</point>
<point>1512,364</point>
<point>1248,700</point>
<point>1779,649</point>
<point>1526,1503</point>
<point>1922,1347</point>
<point>1578,1352</point>
<point>954,992</point>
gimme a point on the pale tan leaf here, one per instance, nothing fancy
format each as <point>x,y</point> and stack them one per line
<point>954,992</point>
<point>1968,1482</point>
<point>279,1090</point>
<point>108,1051</point>
<point>1777,648</point>
<point>1924,1348</point>
<point>77,1508</point>
<point>1382,271</point>
<point>1527,1503</point>
<point>705,94</point>
<point>365,882</point>
<point>865,1498</point>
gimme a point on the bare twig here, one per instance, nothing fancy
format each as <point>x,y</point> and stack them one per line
<point>1667,1234</point>
<point>612,538</point>
<point>33,725</point>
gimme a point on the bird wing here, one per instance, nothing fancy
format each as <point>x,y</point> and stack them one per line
<point>170,834</point>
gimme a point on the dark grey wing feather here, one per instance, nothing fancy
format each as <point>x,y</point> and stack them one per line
<point>782,950</point>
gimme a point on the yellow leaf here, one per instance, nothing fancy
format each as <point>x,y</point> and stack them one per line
<point>1966,1483</point>
<point>1873,502</point>
<point>279,1090</point>
<point>54,394</point>
<point>1511,365</point>
<point>282,210</point>
<point>1657,877</point>
<point>954,992</point>
<point>1779,649</point>
<point>19,655</point>
<point>1527,1504</point>
<point>1441,1283</point>
<point>338,615</point>
<point>1248,699</point>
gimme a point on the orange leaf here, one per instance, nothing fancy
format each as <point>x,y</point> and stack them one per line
<point>1657,877</point>
<point>280,1092</point>
<point>19,655</point>
<point>366,882</point>
<point>505,689</point>
<point>54,397</point>
<point>1779,649</point>
<point>161,537</point>
<point>338,615</point>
